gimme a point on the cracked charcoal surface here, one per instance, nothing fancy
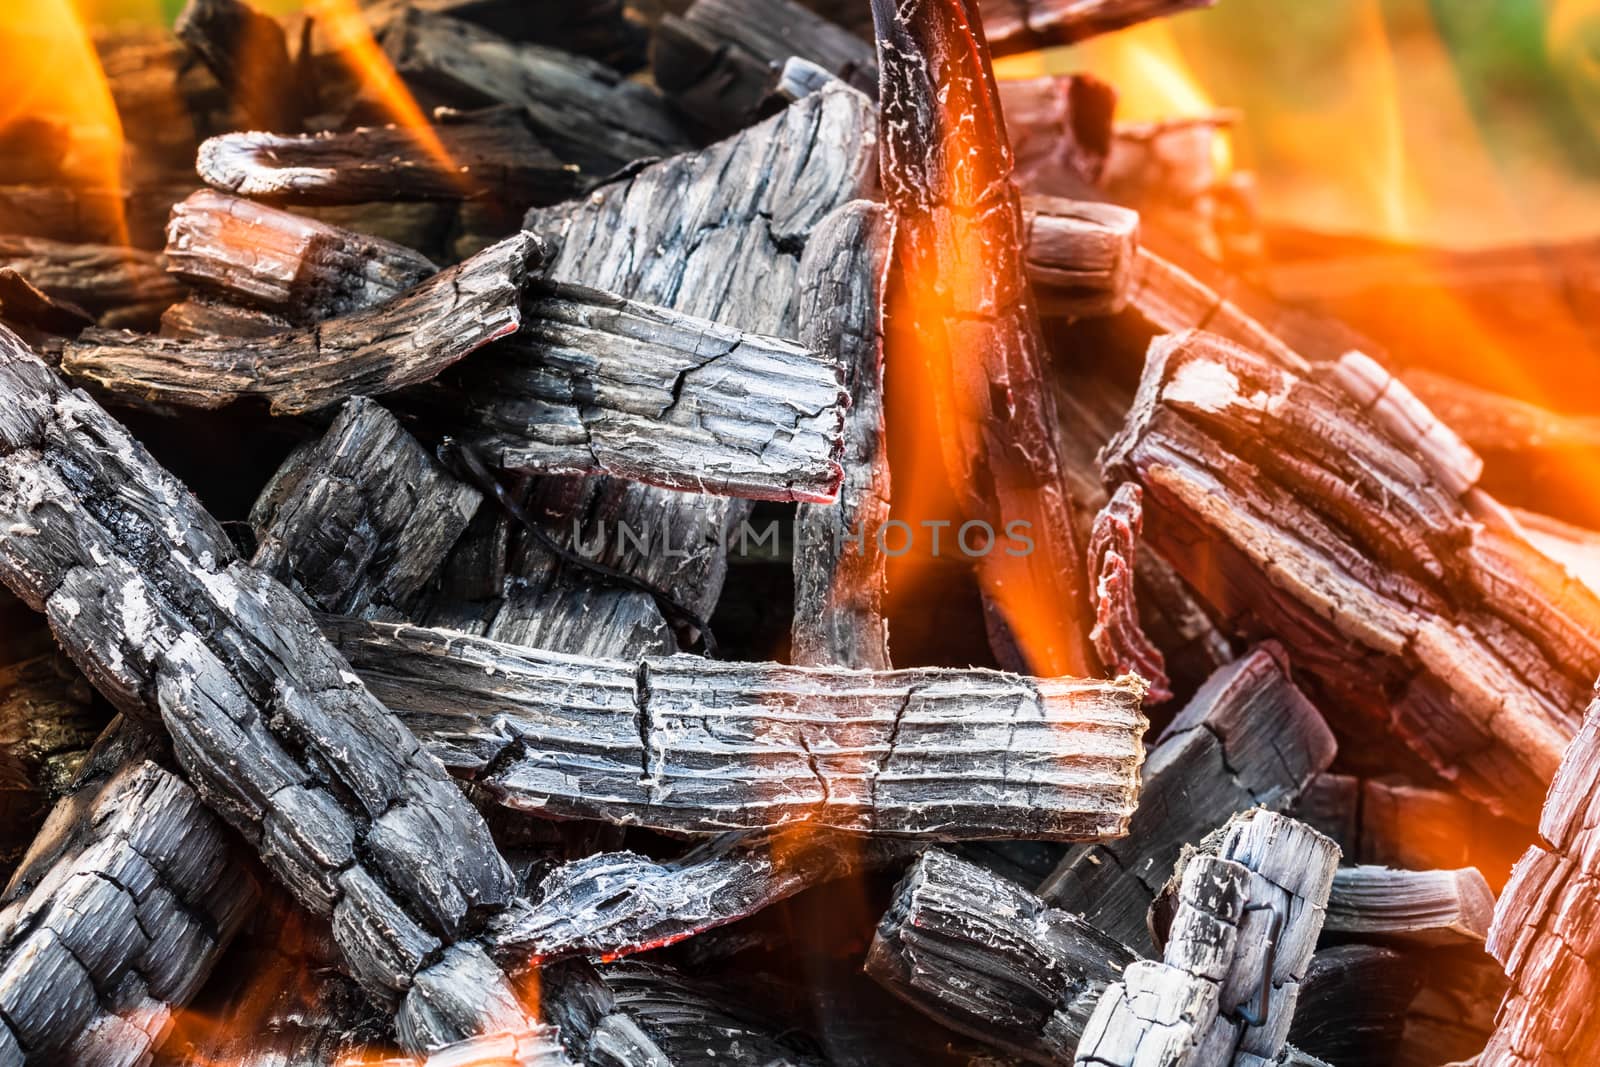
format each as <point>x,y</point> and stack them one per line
<point>47,723</point>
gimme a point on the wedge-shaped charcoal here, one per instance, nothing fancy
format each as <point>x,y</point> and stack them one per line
<point>119,286</point>
<point>1326,517</point>
<point>1248,737</point>
<point>1412,907</point>
<point>306,271</point>
<point>1353,1003</point>
<point>118,913</point>
<point>1118,635</point>
<point>584,111</point>
<point>376,350</point>
<point>357,521</point>
<point>1080,255</point>
<point>687,744</point>
<point>1023,25</point>
<point>1060,128</point>
<point>249,56</point>
<point>276,733</point>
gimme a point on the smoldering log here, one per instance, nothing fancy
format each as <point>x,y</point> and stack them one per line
<point>1353,1001</point>
<point>701,746</point>
<point>1436,907</point>
<point>1013,26</point>
<point>375,350</point>
<point>265,717</point>
<point>1080,255</point>
<point>286,264</point>
<point>1118,635</point>
<point>490,154</point>
<point>584,112</point>
<point>248,54</point>
<point>1297,508</point>
<point>117,914</point>
<point>840,583</point>
<point>120,286</point>
<point>359,520</point>
<point>1060,128</point>
<point>47,723</point>
<point>986,958</point>
<point>1248,737</point>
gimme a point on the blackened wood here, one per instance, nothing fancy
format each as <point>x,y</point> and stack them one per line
<point>1060,128</point>
<point>490,154</point>
<point>1353,1003</point>
<point>1434,907</point>
<point>1014,26</point>
<point>1452,1017</point>
<point>1248,737</point>
<point>987,958</point>
<point>1118,635</point>
<point>47,723</point>
<point>141,587</point>
<point>248,55</point>
<point>376,350</point>
<point>199,318</point>
<point>1080,255</point>
<point>840,570</point>
<point>584,112</point>
<point>702,746</point>
<point>359,520</point>
<point>278,262</point>
<point>119,286</point>
<point>964,308</point>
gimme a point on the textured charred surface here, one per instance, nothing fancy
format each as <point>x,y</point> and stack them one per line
<point>1410,907</point>
<point>375,350</point>
<point>1023,25</point>
<point>357,521</point>
<point>275,261</point>
<point>985,957</point>
<point>1080,255</point>
<point>694,745</point>
<point>1353,1002</point>
<point>1118,635</point>
<point>1060,128</point>
<point>1329,519</point>
<point>1248,737</point>
<point>119,286</point>
<point>47,724</point>
<point>248,55</point>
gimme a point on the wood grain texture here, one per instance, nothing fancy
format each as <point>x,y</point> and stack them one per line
<point>1382,904</point>
<point>1353,1003</point>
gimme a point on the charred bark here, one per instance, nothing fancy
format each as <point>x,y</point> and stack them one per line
<point>1118,635</point>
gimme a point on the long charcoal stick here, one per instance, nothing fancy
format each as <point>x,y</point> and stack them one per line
<point>1248,737</point>
<point>1412,907</point>
<point>1014,26</point>
<point>686,744</point>
<point>141,588</point>
<point>1297,507</point>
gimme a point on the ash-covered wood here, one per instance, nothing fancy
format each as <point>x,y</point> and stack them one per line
<point>376,350</point>
<point>701,746</point>
<point>584,111</point>
<point>1080,255</point>
<point>118,286</point>
<point>1118,635</point>
<point>840,570</point>
<point>1060,127</point>
<point>118,913</point>
<point>1248,737</point>
<point>964,308</point>
<point>359,520</point>
<point>303,270</point>
<point>47,723</point>
<point>1014,26</point>
<point>477,154</point>
<point>1293,510</point>
<point>141,587</point>
<point>248,54</point>
<point>1353,1002</point>
<point>986,958</point>
<point>1373,903</point>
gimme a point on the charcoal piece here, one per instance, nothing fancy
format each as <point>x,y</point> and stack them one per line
<point>1014,26</point>
<point>1382,904</point>
<point>200,319</point>
<point>1418,827</point>
<point>583,111</point>
<point>1060,127</point>
<point>607,30</point>
<point>303,270</point>
<point>118,286</point>
<point>247,53</point>
<point>1294,512</point>
<point>358,521</point>
<point>702,746</point>
<point>1080,255</point>
<point>1172,300</point>
<point>36,315</point>
<point>1118,635</point>
<point>376,350</point>
<point>1248,737</point>
<point>1353,1002</point>
<point>47,723</point>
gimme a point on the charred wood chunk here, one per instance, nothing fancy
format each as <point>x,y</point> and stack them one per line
<point>38,318</point>
<point>119,286</point>
<point>1172,300</point>
<point>249,56</point>
<point>1292,511</point>
<point>199,318</point>
<point>118,913</point>
<point>987,958</point>
<point>1080,255</point>
<point>584,111</point>
<point>47,723</point>
<point>1410,907</point>
<point>286,264</point>
<point>1118,636</point>
<point>377,350</point>
<point>484,154</point>
<point>1060,128</point>
<point>1014,26</point>
<point>840,570</point>
<point>358,521</point>
<point>1353,1003</point>
<point>701,746</point>
<point>1248,737</point>
<point>142,589</point>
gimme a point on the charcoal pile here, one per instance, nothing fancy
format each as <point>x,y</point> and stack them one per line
<point>723,534</point>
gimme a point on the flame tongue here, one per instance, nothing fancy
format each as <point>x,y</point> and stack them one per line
<point>959,296</point>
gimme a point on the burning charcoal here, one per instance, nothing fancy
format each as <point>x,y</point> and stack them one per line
<point>642,1013</point>
<point>1292,511</point>
<point>377,350</point>
<point>691,745</point>
<point>358,521</point>
<point>537,1046</point>
<point>119,286</point>
<point>584,111</point>
<point>1248,737</point>
<point>118,913</point>
<point>1080,255</point>
<point>1410,907</point>
<point>1353,1002</point>
<point>490,153</point>
<point>1060,127</point>
<point>46,726</point>
<point>247,53</point>
<point>840,582</point>
<point>1117,635</point>
<point>1014,26</point>
<point>141,588</point>
<point>1244,921</point>
<point>987,958</point>
<point>287,264</point>
<point>199,318</point>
